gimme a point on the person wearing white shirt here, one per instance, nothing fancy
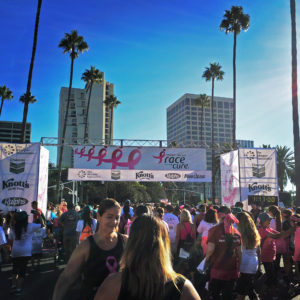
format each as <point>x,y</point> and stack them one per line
<point>210,220</point>
<point>21,235</point>
<point>172,222</point>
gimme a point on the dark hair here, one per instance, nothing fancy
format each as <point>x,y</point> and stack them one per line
<point>160,212</point>
<point>277,214</point>
<point>224,209</point>
<point>239,204</point>
<point>126,212</point>
<point>297,210</point>
<point>21,223</point>
<point>70,205</point>
<point>169,208</point>
<point>140,210</point>
<point>211,216</point>
<point>107,204</point>
<point>86,216</point>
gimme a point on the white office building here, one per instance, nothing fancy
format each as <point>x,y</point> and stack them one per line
<point>98,119</point>
<point>184,126</point>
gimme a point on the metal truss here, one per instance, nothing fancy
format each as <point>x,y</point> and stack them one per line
<point>55,142</point>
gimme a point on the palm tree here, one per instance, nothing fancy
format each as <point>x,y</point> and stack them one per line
<point>285,165</point>
<point>27,99</point>
<point>5,94</point>
<point>203,102</point>
<point>111,102</point>
<point>28,93</point>
<point>90,77</point>
<point>74,44</point>
<point>234,21</point>
<point>295,102</point>
<point>213,72</point>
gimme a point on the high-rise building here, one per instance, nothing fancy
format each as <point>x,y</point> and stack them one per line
<point>184,127</point>
<point>10,132</point>
<point>245,143</point>
<point>98,118</point>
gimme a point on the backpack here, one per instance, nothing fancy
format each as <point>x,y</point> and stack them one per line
<point>86,232</point>
<point>189,241</point>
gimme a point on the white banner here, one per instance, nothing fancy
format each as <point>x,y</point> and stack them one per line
<point>139,158</point>
<point>230,178</point>
<point>258,173</point>
<point>248,172</point>
<point>19,176</point>
<point>138,175</point>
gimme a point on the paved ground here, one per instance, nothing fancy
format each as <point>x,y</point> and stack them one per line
<point>38,284</point>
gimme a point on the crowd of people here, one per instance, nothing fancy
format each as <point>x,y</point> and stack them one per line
<point>159,251</point>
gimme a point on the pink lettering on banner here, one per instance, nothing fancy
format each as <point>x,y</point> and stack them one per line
<point>162,154</point>
<point>133,158</point>
<point>111,264</point>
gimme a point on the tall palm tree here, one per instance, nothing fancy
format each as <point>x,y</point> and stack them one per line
<point>295,102</point>
<point>5,94</point>
<point>203,102</point>
<point>28,93</point>
<point>27,99</point>
<point>74,44</point>
<point>285,165</point>
<point>90,77</point>
<point>234,21</point>
<point>213,72</point>
<point>111,102</point>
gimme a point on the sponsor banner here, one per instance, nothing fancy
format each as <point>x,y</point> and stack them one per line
<point>19,176</point>
<point>139,158</point>
<point>251,171</point>
<point>230,178</point>
<point>258,174</point>
<point>138,175</point>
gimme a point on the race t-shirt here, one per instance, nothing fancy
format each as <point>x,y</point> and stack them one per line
<point>172,222</point>
<point>223,267</point>
<point>69,220</point>
<point>37,240</point>
<point>23,246</point>
<point>268,245</point>
<point>204,227</point>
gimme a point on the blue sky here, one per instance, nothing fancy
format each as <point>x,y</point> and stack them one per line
<point>154,52</point>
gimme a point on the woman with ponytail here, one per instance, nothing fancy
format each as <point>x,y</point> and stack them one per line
<point>223,253</point>
<point>276,224</point>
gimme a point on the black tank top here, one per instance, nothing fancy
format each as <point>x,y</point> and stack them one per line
<point>170,291</point>
<point>99,265</point>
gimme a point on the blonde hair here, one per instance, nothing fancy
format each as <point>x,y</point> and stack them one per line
<point>248,231</point>
<point>146,262</point>
<point>185,216</point>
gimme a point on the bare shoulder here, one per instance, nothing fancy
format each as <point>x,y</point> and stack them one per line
<point>125,237</point>
<point>189,292</point>
<point>110,288</point>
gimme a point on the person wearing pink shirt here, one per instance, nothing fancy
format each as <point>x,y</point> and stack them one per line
<point>268,250</point>
<point>295,223</point>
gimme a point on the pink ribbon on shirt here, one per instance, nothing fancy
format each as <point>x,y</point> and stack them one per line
<point>111,264</point>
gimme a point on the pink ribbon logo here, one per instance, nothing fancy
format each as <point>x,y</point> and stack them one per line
<point>133,158</point>
<point>162,154</point>
<point>111,264</point>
